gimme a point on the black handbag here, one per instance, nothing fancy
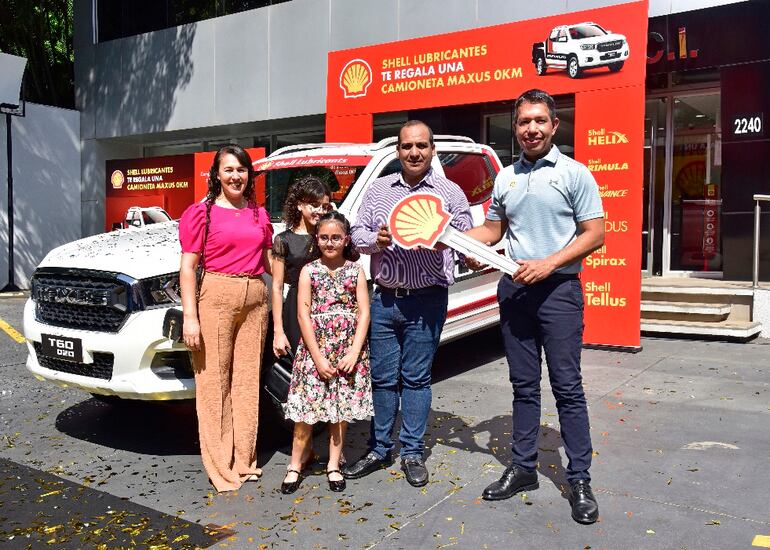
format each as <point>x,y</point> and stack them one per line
<point>172,324</point>
<point>277,378</point>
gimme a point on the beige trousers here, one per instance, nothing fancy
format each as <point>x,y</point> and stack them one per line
<point>233,316</point>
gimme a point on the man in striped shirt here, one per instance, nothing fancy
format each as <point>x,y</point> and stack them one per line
<point>409,305</point>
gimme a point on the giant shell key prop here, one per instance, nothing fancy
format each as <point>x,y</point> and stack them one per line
<point>422,220</point>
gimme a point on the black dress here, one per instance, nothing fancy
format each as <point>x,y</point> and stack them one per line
<point>295,250</point>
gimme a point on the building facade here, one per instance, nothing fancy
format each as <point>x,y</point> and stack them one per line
<point>255,73</point>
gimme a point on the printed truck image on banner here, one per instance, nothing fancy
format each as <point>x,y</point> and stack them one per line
<point>596,56</point>
<point>580,47</point>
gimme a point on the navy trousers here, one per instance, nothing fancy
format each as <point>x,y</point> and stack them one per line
<point>546,316</point>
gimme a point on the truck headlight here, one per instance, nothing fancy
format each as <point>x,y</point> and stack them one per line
<point>162,290</point>
<point>588,46</point>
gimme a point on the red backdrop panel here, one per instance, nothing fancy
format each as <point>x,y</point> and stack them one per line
<point>610,142</point>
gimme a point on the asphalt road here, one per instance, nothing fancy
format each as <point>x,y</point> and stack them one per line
<point>680,432</point>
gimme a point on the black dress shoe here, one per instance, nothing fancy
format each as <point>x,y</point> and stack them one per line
<point>290,487</point>
<point>514,480</point>
<point>364,466</point>
<point>415,470</point>
<point>338,485</point>
<point>584,506</point>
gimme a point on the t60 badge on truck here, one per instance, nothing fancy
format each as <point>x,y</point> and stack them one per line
<point>580,47</point>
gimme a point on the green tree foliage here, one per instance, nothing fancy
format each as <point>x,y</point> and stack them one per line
<point>41,31</point>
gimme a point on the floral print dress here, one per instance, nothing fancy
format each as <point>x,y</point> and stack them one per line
<point>334,312</point>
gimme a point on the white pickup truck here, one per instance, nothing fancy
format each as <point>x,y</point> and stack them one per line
<point>579,47</point>
<point>95,314</point>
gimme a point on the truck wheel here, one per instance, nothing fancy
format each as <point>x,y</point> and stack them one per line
<point>540,66</point>
<point>573,67</point>
<point>615,67</point>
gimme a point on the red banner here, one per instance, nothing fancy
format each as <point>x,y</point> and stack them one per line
<point>488,64</point>
<point>172,183</point>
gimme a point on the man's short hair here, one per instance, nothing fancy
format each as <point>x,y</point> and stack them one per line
<point>535,96</point>
<point>415,122</point>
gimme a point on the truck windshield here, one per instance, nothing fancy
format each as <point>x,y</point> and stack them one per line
<point>339,177</point>
<point>586,31</point>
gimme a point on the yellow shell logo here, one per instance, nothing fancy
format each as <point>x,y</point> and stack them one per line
<point>418,220</point>
<point>355,78</point>
<point>117,179</point>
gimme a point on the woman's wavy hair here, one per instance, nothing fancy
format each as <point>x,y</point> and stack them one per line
<point>215,186</point>
<point>349,252</point>
<point>308,189</point>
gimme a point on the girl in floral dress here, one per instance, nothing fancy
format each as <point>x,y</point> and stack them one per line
<point>330,381</point>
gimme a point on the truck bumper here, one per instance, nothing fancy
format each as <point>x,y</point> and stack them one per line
<point>133,348</point>
<point>593,58</point>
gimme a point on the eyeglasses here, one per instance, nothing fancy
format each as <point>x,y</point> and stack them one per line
<point>336,239</point>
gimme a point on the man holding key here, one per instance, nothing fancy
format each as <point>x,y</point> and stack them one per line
<point>547,206</point>
<point>409,305</point>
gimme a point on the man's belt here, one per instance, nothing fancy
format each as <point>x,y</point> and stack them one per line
<point>404,292</point>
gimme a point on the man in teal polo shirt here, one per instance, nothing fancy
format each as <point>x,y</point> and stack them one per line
<point>547,207</point>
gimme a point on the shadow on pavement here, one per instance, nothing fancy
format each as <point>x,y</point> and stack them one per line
<point>467,354</point>
<point>152,428</point>
<point>453,431</point>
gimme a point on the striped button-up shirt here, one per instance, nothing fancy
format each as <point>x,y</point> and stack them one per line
<point>396,267</point>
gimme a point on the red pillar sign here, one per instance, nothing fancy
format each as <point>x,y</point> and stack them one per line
<point>611,146</point>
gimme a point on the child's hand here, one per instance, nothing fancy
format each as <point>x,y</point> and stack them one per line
<point>325,369</point>
<point>280,343</point>
<point>348,363</point>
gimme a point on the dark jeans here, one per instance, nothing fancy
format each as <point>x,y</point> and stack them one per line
<point>546,316</point>
<point>403,338</point>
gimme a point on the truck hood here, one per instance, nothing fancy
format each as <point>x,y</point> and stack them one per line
<point>599,39</point>
<point>138,253</point>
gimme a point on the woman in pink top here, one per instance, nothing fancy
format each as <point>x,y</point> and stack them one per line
<point>225,320</point>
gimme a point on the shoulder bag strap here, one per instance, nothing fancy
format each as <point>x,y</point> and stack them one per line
<point>202,260</point>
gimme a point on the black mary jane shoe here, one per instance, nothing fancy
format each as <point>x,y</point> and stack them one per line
<point>336,486</point>
<point>290,487</point>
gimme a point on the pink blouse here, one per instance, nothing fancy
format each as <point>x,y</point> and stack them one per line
<point>237,242</point>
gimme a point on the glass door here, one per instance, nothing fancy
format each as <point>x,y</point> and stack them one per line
<point>654,194</point>
<point>695,244</point>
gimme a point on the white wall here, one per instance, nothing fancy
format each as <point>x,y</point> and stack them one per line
<point>46,187</point>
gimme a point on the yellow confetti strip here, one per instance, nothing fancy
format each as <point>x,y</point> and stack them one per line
<point>761,540</point>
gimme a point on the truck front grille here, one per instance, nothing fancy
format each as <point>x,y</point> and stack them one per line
<point>609,46</point>
<point>100,368</point>
<point>84,300</point>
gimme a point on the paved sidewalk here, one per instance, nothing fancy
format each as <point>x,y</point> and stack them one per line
<point>680,433</point>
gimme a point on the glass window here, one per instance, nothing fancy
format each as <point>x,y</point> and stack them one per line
<point>339,178</point>
<point>498,129</point>
<point>499,135</point>
<point>173,149</point>
<point>472,172</point>
<point>121,18</point>
<point>391,168</point>
<point>285,140</point>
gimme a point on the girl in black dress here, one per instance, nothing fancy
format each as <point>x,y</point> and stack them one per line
<point>308,199</point>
